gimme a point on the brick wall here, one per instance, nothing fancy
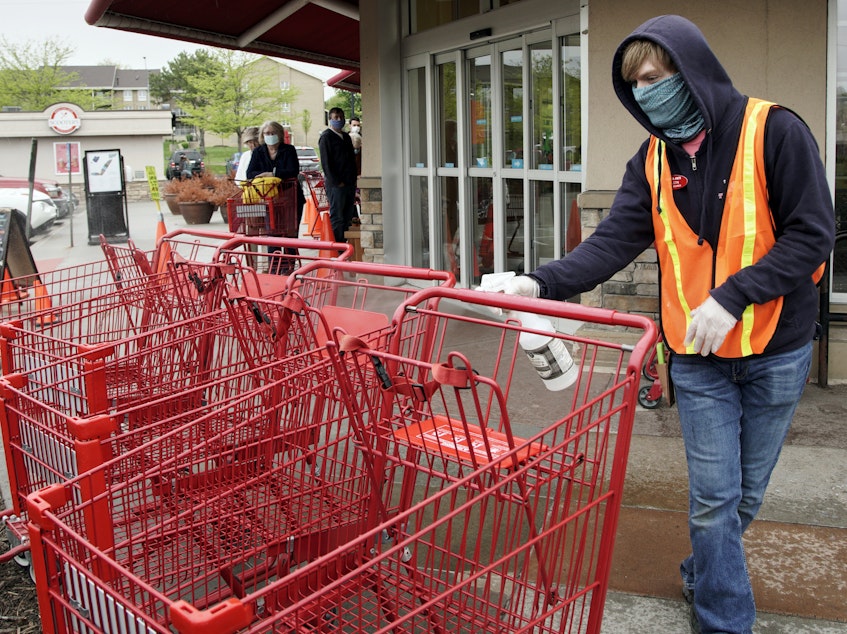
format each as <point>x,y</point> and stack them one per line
<point>371,233</point>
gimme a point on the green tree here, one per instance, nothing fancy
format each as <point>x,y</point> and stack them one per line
<point>32,78</point>
<point>237,97</point>
<point>306,120</point>
<point>349,102</point>
<point>176,84</point>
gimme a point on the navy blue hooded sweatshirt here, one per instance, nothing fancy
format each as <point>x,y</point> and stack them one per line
<point>800,200</point>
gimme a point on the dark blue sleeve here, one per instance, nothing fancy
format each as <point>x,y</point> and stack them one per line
<point>804,220</point>
<point>617,240</point>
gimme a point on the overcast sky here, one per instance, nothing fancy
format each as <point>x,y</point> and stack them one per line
<point>39,20</point>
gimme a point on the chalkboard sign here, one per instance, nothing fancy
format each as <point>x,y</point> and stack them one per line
<point>15,256</point>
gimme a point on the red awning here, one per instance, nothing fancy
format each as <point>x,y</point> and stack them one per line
<point>346,80</point>
<point>324,32</point>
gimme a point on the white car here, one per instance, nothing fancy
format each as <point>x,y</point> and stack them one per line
<point>44,210</point>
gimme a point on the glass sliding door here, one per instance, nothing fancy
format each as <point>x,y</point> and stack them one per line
<point>448,234</point>
<point>418,135</point>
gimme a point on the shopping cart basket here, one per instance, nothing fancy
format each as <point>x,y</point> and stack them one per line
<point>483,502</point>
<point>265,209</point>
<point>215,509</point>
<point>120,392</point>
<point>502,496</point>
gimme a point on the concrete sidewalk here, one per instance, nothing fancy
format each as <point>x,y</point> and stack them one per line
<point>797,549</point>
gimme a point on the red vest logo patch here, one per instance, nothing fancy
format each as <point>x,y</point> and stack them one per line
<point>678,181</point>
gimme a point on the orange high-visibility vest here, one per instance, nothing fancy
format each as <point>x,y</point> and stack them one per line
<point>746,235</point>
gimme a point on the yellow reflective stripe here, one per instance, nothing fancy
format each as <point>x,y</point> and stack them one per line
<point>749,184</point>
<point>671,245</point>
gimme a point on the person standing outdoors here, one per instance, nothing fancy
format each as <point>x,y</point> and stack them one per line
<point>251,140</point>
<point>733,193</point>
<point>339,166</point>
<point>356,138</point>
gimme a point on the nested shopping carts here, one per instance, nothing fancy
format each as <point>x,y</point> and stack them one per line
<point>420,480</point>
<point>82,384</point>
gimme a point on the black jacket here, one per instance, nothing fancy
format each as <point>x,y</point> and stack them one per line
<point>286,165</point>
<point>800,200</point>
<point>338,160</point>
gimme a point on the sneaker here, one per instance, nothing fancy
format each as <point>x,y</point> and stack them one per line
<point>693,621</point>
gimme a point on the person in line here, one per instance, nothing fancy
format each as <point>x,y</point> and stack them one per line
<point>356,138</point>
<point>339,166</point>
<point>273,157</point>
<point>733,193</point>
<point>251,140</point>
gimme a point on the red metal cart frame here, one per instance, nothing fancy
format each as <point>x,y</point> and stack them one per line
<point>454,494</point>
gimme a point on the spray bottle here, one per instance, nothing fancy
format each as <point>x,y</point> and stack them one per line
<point>548,355</point>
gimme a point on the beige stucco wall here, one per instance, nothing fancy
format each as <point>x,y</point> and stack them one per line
<point>773,49</point>
<point>138,134</point>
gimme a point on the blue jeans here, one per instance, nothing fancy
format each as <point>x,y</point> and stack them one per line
<point>734,417</point>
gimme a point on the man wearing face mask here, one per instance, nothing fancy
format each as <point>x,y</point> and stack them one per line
<point>733,193</point>
<point>339,167</point>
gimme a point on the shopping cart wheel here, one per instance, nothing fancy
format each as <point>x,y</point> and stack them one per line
<point>645,398</point>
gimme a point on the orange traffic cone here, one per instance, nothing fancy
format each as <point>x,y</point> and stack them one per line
<point>311,218</point>
<point>43,305</point>
<point>163,249</point>
<point>8,292</point>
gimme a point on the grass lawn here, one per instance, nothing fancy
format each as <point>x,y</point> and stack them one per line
<point>215,159</point>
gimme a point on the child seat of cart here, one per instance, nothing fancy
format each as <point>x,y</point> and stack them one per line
<point>444,435</point>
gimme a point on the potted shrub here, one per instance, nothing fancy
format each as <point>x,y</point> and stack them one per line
<point>220,189</point>
<point>169,192</point>
<point>194,199</point>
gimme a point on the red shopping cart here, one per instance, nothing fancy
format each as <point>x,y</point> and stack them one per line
<point>455,494</point>
<point>265,207</point>
<point>318,199</point>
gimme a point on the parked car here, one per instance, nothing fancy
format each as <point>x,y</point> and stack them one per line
<point>309,160</point>
<point>195,163</point>
<point>44,211</point>
<point>65,204</point>
<point>232,164</point>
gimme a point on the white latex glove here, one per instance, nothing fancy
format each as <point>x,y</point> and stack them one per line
<point>521,285</point>
<point>710,324</point>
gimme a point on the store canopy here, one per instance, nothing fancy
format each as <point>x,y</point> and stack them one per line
<point>324,32</point>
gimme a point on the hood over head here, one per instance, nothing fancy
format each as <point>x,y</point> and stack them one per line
<point>704,75</point>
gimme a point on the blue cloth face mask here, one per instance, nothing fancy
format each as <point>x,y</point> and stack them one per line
<point>271,139</point>
<point>670,107</point>
<point>336,124</point>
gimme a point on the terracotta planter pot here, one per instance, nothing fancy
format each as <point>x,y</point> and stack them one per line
<point>173,205</point>
<point>197,213</point>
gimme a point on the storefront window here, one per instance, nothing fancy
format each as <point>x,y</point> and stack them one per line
<point>571,104</point>
<point>480,114</point>
<point>541,76</point>
<point>419,204</point>
<point>417,117</point>
<point>513,95</point>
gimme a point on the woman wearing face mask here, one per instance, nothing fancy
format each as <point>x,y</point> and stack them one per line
<point>733,193</point>
<point>275,158</point>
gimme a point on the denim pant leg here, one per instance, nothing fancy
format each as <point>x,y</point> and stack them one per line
<point>734,417</point>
